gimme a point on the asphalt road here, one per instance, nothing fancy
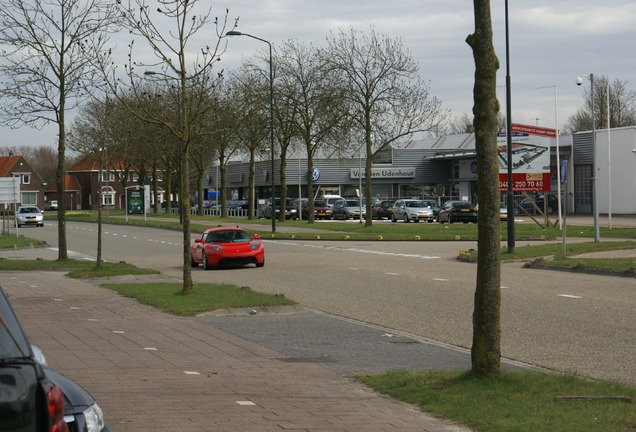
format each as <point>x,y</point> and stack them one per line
<point>564,321</point>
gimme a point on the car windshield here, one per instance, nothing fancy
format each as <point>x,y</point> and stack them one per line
<point>320,204</point>
<point>432,204</point>
<point>416,204</point>
<point>227,236</point>
<point>29,210</point>
<point>352,203</point>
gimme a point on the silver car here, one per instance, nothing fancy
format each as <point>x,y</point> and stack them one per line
<point>28,215</point>
<point>348,209</point>
<point>412,210</point>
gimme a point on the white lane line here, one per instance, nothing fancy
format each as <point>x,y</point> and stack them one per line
<point>393,274</point>
<point>344,249</point>
<point>569,296</point>
<point>440,279</point>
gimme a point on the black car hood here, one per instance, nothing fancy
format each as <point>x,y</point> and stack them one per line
<point>76,399</point>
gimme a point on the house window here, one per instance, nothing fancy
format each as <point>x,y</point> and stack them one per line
<point>26,178</point>
<point>135,177</point>
<point>108,198</point>
<point>108,176</point>
<point>29,198</point>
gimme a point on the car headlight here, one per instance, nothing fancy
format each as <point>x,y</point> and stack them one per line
<point>94,418</point>
<point>254,246</point>
<point>216,248</point>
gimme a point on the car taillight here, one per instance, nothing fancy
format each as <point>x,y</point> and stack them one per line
<point>55,401</point>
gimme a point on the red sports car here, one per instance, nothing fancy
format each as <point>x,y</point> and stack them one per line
<point>226,247</point>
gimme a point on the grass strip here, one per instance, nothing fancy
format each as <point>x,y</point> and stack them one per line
<point>78,269</point>
<point>517,401</point>
<point>170,297</point>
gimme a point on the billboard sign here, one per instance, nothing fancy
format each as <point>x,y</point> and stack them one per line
<point>135,201</point>
<point>530,158</point>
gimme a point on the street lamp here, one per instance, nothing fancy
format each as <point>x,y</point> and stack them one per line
<point>271,119</point>
<point>179,148</point>
<point>597,233</point>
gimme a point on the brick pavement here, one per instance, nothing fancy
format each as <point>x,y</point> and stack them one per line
<point>151,371</point>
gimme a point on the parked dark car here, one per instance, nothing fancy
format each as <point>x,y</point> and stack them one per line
<point>382,209</point>
<point>321,210</point>
<point>457,211</point>
<point>33,397</point>
<point>291,212</point>
<point>553,204</point>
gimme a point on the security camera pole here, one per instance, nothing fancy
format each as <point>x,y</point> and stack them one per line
<point>597,233</point>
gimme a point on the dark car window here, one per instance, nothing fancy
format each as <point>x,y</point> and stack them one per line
<point>462,204</point>
<point>13,343</point>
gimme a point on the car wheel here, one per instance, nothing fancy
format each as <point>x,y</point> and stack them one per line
<point>450,219</point>
<point>206,265</point>
<point>193,263</point>
<point>393,219</point>
<point>260,264</point>
<point>406,218</point>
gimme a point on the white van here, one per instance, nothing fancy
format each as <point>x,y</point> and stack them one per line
<point>329,199</point>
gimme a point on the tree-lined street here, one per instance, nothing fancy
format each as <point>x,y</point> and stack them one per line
<point>568,322</point>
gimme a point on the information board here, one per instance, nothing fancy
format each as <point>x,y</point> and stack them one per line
<point>530,158</point>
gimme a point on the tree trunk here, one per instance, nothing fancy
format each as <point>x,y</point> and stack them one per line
<point>486,347</point>
<point>62,252</point>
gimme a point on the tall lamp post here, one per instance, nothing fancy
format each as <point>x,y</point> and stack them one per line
<point>510,203</point>
<point>597,232</point>
<point>271,118</point>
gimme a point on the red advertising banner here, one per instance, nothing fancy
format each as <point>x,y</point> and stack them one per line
<point>525,182</point>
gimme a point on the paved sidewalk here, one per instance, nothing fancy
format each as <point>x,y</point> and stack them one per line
<point>151,371</point>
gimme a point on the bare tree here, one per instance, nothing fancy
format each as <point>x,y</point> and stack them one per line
<point>388,101</point>
<point>248,90</point>
<point>190,71</point>
<point>48,67</point>
<point>486,348</point>
<point>464,124</point>
<point>316,111</point>
<point>622,106</point>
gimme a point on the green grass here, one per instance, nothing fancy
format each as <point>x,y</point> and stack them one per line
<point>78,269</point>
<point>170,297</point>
<point>8,241</point>
<point>359,231</point>
<point>517,401</point>
<point>551,254</point>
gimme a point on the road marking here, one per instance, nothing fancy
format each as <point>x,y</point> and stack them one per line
<point>245,403</point>
<point>393,274</point>
<point>440,279</point>
<point>191,373</point>
<point>346,249</point>
<point>569,296</point>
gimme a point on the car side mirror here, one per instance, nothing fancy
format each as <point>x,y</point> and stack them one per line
<point>199,240</point>
<point>256,237</point>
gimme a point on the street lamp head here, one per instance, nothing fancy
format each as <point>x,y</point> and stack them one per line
<point>579,81</point>
<point>150,73</point>
<point>233,33</point>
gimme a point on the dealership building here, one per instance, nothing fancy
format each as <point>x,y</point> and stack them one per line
<point>445,168</point>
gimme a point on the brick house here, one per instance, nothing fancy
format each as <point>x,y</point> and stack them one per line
<point>31,184</point>
<point>83,184</point>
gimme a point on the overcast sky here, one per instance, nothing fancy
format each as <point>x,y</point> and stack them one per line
<point>551,43</point>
